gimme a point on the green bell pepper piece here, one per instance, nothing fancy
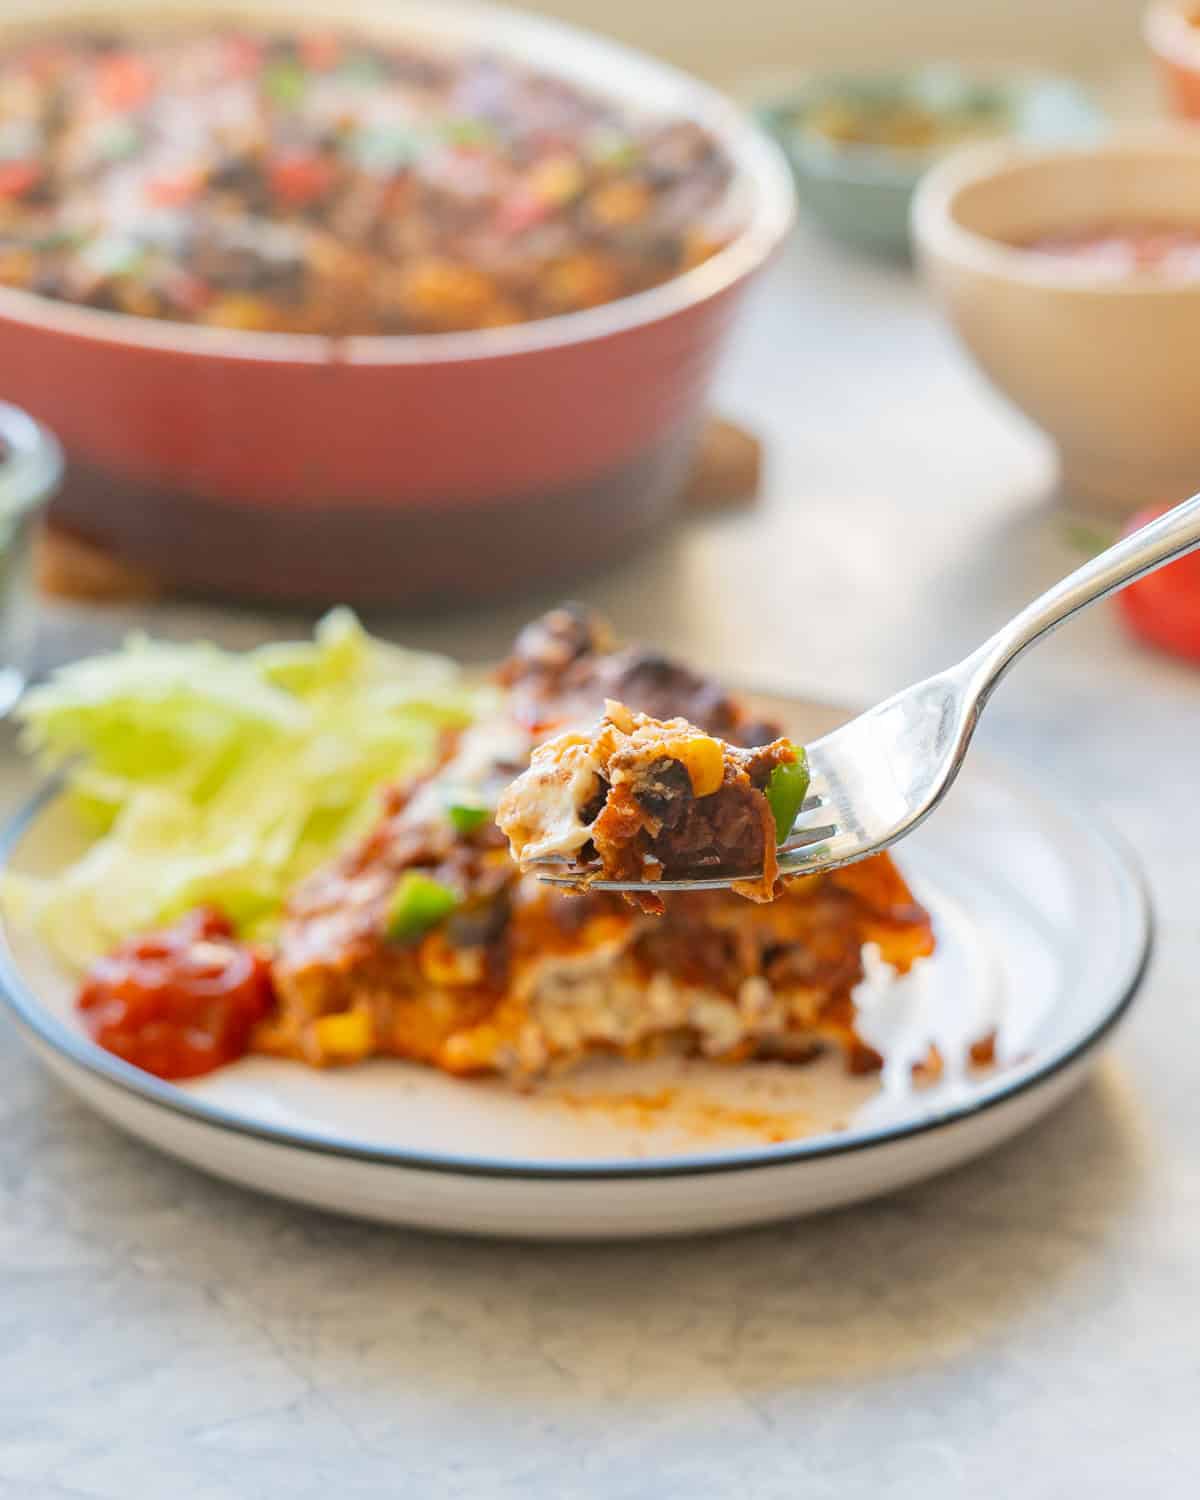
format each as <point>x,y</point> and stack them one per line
<point>786,789</point>
<point>418,903</point>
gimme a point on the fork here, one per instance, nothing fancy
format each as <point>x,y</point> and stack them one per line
<point>880,775</point>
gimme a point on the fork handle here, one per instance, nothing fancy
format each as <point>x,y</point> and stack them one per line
<point>1164,539</point>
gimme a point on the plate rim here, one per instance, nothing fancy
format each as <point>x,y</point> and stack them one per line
<point>76,1048</point>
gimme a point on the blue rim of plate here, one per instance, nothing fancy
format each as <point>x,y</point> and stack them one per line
<point>79,1049</point>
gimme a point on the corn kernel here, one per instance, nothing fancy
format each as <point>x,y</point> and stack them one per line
<point>618,204</point>
<point>345,1036</point>
<point>17,266</point>
<point>701,757</point>
<point>443,963</point>
<point>557,180</point>
<point>242,311</point>
<point>503,313</point>
<point>585,279</point>
<point>471,1051</point>
<point>443,296</point>
<point>137,300</point>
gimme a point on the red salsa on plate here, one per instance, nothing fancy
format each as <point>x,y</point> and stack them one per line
<point>336,185</point>
<point>178,1002</point>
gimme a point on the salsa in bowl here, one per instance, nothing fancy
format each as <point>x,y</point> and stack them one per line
<point>1071,277</point>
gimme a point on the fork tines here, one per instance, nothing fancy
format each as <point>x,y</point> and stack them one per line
<point>554,870</point>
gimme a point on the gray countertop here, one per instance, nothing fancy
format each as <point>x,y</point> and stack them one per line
<point>1026,1325</point>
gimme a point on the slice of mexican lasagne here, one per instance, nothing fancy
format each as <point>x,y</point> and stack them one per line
<point>426,941</point>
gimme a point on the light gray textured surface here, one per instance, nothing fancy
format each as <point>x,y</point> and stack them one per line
<point>1026,1326</point>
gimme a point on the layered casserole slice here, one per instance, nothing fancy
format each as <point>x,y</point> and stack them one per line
<point>426,941</point>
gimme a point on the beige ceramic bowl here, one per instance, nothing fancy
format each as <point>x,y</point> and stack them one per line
<point>1109,369</point>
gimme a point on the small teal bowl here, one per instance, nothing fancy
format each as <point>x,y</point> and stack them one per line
<point>862,192</point>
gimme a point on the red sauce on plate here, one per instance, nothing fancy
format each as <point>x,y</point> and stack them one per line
<point>179,1002</point>
<point>1117,251</point>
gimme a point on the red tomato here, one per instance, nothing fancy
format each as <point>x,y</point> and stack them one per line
<point>243,56</point>
<point>179,1002</point>
<point>520,211</point>
<point>321,52</point>
<point>1164,608</point>
<point>179,188</point>
<point>17,177</point>
<point>191,293</point>
<point>124,80</point>
<point>45,61</point>
<point>301,177</point>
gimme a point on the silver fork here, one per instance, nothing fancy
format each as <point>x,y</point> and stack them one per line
<point>877,777</point>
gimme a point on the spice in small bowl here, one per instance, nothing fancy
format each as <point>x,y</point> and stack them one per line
<point>859,143</point>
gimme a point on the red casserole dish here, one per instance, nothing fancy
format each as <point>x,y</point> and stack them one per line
<point>399,470</point>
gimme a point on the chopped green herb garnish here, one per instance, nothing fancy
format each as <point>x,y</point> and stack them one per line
<point>361,67</point>
<point>785,793</point>
<point>120,139</point>
<point>285,83</point>
<point>114,255</point>
<point>418,903</point>
<point>384,149</point>
<point>467,132</point>
<point>466,816</point>
<point>58,239</point>
<point>609,148</point>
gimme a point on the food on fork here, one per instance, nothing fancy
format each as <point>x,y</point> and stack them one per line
<point>421,938</point>
<point>654,799</point>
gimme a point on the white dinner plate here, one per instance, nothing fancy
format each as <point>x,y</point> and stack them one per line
<point>1043,935</point>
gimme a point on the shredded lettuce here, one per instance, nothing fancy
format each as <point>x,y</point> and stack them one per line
<point>206,775</point>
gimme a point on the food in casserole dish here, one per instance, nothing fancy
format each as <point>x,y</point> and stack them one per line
<point>334,184</point>
<point>642,798</point>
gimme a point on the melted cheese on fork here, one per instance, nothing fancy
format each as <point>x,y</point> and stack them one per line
<point>542,813</point>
